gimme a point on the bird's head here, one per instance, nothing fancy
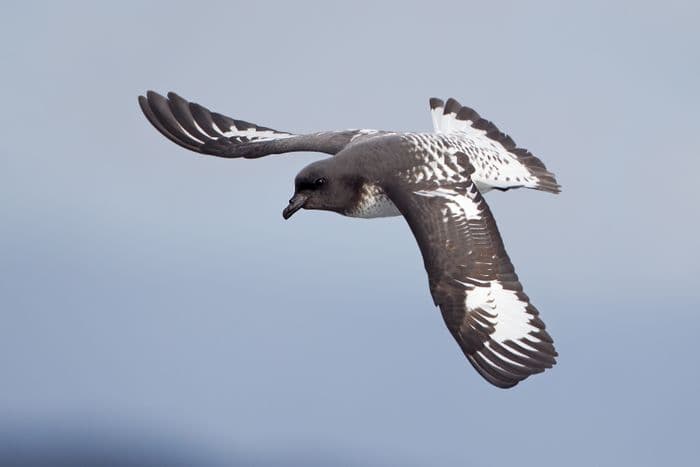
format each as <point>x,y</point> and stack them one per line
<point>322,186</point>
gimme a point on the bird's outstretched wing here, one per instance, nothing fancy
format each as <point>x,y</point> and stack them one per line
<point>194,127</point>
<point>471,277</point>
<point>498,161</point>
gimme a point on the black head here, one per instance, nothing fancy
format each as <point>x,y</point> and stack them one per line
<point>322,186</point>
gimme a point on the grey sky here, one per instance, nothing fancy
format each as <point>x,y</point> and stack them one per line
<point>145,288</point>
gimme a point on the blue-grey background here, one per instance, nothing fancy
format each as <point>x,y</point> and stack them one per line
<point>155,307</point>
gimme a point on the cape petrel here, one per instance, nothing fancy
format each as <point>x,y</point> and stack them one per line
<point>435,181</point>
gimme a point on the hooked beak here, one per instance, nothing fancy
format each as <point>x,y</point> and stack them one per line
<point>296,203</point>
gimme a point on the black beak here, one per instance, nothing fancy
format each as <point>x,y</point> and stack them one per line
<point>296,203</point>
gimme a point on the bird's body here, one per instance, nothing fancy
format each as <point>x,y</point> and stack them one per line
<point>436,181</point>
<point>493,168</point>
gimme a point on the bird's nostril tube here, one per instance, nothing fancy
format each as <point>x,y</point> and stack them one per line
<point>291,200</point>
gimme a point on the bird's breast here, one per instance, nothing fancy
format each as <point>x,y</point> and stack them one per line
<point>373,202</point>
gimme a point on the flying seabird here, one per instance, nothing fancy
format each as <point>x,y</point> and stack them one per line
<point>436,182</point>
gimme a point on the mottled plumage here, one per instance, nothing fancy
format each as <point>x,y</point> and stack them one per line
<point>436,181</point>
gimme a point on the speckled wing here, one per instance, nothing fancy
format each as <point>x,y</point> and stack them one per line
<point>498,162</point>
<point>471,277</point>
<point>196,128</point>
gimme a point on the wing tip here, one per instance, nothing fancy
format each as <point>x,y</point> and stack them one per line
<point>489,374</point>
<point>504,375</point>
<point>158,111</point>
<point>194,127</point>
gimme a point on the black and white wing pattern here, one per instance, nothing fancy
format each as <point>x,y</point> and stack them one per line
<point>498,162</point>
<point>194,127</point>
<point>471,277</point>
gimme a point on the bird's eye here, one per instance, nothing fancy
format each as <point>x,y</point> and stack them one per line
<point>320,181</point>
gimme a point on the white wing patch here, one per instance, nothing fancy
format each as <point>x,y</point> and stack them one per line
<point>253,133</point>
<point>512,321</point>
<point>509,316</point>
<point>458,204</point>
